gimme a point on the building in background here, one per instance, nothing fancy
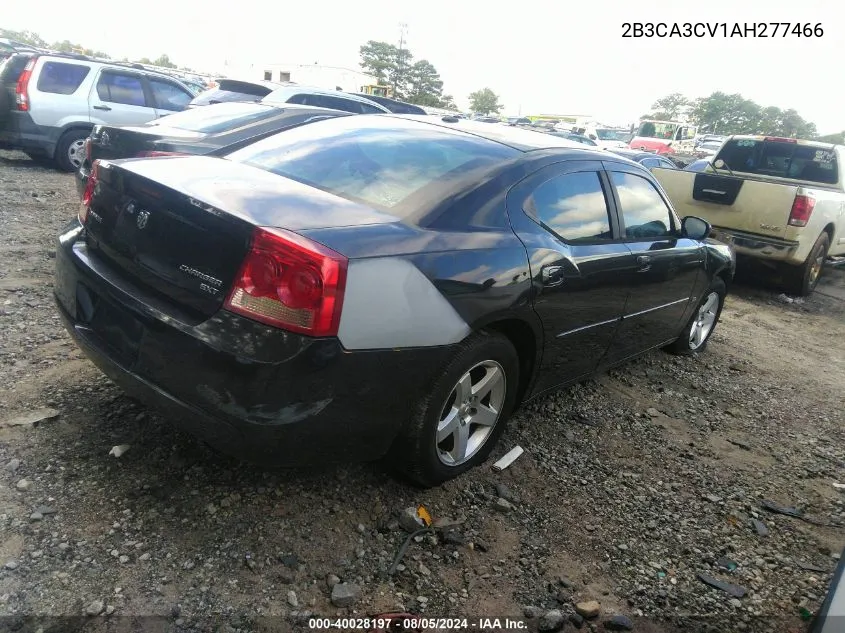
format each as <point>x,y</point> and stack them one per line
<point>328,77</point>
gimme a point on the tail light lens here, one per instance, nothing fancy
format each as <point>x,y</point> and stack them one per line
<point>802,209</point>
<point>153,153</point>
<point>22,87</point>
<point>288,281</point>
<point>88,149</point>
<point>88,194</point>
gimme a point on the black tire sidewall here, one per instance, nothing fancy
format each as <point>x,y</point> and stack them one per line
<point>682,344</point>
<point>66,140</point>
<point>820,247</point>
<point>417,450</point>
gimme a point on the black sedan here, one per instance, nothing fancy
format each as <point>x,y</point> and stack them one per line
<point>646,159</point>
<point>378,285</point>
<point>196,131</point>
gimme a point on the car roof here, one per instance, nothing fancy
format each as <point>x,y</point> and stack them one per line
<point>127,66</point>
<point>633,154</point>
<point>264,83</point>
<point>285,92</point>
<point>517,138</point>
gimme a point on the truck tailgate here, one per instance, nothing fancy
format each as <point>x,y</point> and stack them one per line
<point>753,206</point>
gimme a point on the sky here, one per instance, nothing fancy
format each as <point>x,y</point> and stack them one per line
<point>562,57</point>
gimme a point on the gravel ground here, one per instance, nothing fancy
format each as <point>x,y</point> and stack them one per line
<point>631,487</point>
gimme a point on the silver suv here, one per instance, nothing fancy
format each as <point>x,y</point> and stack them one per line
<point>59,98</point>
<point>320,98</point>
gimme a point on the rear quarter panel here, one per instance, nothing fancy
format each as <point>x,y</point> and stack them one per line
<point>58,110</point>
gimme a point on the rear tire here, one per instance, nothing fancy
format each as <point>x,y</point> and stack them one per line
<point>69,155</point>
<point>801,280</point>
<point>702,323</point>
<point>466,409</point>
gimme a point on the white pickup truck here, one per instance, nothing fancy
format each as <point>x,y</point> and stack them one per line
<point>778,200</point>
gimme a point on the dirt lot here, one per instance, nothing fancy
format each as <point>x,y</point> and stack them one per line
<point>631,485</point>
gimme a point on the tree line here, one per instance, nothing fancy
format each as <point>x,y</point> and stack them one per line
<point>66,46</point>
<point>722,113</point>
<point>417,82</point>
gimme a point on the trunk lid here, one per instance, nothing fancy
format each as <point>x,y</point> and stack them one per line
<point>127,142</point>
<point>182,226</point>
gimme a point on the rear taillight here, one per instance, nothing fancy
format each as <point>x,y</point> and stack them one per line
<point>88,194</point>
<point>290,282</point>
<point>802,209</point>
<point>154,153</point>
<point>87,146</point>
<point>22,87</point>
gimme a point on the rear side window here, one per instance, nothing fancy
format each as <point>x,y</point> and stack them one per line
<point>121,88</point>
<point>169,96</point>
<point>333,103</point>
<point>61,78</point>
<point>781,159</point>
<point>382,163</point>
<point>572,206</point>
<point>228,91</point>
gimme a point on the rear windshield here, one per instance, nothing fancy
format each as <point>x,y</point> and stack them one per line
<point>12,67</point>
<point>218,118</point>
<point>380,162</point>
<point>781,159</point>
<point>232,91</point>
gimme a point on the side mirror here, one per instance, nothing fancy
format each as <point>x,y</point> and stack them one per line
<point>719,164</point>
<point>695,228</point>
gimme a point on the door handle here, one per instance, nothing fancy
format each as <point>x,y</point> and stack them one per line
<point>644,263</point>
<point>552,275</point>
<point>106,108</point>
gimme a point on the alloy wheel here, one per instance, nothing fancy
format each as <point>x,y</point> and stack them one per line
<point>75,153</point>
<point>704,321</point>
<point>470,413</point>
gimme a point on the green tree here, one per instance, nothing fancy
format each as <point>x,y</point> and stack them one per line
<point>670,107</point>
<point>485,101</point>
<point>24,37</point>
<point>723,113</point>
<point>66,46</point>
<point>164,62</point>
<point>379,59</point>
<point>425,87</point>
<point>838,138</point>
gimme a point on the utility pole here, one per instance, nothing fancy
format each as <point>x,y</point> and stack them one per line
<point>403,28</point>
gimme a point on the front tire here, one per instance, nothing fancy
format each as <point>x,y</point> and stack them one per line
<point>457,424</point>
<point>802,280</point>
<point>703,321</point>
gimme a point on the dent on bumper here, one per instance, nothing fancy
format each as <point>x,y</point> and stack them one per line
<point>252,391</point>
<point>758,246</point>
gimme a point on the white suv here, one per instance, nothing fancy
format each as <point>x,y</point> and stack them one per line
<point>60,98</point>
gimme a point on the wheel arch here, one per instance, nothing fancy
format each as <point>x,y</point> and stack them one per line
<point>69,127</point>
<point>526,337</point>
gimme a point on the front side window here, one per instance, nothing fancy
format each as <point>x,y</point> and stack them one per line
<point>61,78</point>
<point>573,206</point>
<point>644,213</point>
<point>121,88</point>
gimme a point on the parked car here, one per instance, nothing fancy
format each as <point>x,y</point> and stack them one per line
<point>392,105</point>
<point>195,131</point>
<point>60,98</point>
<point>780,201</point>
<point>649,160</point>
<point>320,98</point>
<point>10,71</point>
<point>235,90</point>
<point>708,145</point>
<point>698,165</point>
<point>578,138</point>
<point>10,47</point>
<point>371,285</point>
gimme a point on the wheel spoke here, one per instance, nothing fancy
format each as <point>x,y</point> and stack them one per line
<point>490,381</point>
<point>486,416</point>
<point>447,425</point>
<point>463,389</point>
<point>461,438</point>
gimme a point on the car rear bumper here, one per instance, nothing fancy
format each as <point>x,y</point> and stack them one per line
<point>757,246</point>
<point>22,132</point>
<point>252,391</point>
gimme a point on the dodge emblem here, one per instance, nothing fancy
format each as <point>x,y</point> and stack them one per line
<point>143,216</point>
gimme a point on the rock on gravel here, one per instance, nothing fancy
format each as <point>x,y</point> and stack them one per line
<point>23,485</point>
<point>95,608</point>
<point>588,609</point>
<point>551,621</point>
<point>619,623</point>
<point>345,594</point>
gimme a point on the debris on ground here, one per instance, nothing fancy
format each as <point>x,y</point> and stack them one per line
<point>619,623</point>
<point>733,590</point>
<point>31,418</point>
<point>588,609</point>
<point>345,594</point>
<point>117,451</point>
<point>508,458</point>
<point>760,527</point>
